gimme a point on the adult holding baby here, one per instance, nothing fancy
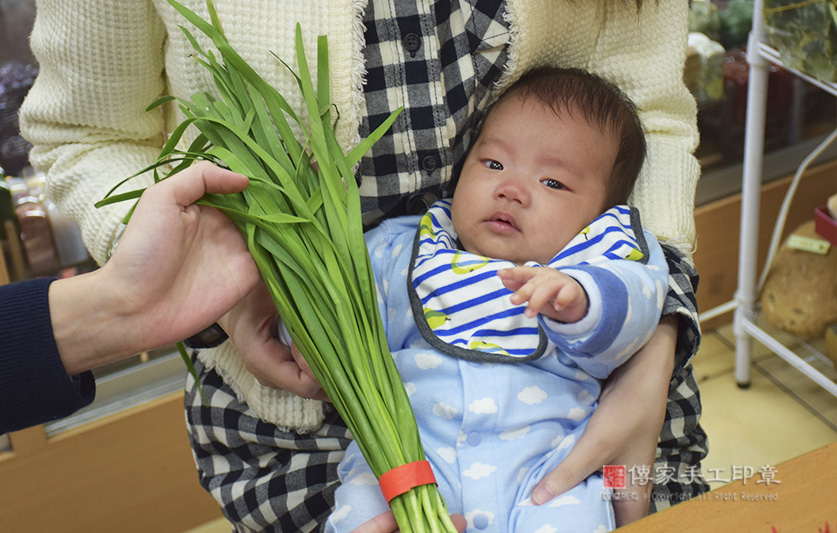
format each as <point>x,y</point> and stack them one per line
<point>446,62</point>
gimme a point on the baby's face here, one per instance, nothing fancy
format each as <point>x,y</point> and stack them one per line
<point>531,182</point>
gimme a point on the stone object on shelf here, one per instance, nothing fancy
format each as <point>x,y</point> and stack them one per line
<point>799,295</point>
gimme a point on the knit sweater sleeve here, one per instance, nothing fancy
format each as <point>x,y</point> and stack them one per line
<point>34,387</point>
<point>644,54</point>
<point>103,62</point>
<point>101,65</point>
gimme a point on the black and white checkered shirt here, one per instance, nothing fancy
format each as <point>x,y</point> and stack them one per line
<point>440,60</point>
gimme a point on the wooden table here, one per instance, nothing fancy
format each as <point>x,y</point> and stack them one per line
<point>805,500</point>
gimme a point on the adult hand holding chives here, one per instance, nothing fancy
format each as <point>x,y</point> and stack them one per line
<point>177,268</point>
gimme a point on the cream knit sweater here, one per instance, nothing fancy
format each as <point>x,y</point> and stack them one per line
<point>103,62</point>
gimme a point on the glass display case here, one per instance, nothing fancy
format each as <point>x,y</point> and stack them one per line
<point>799,115</point>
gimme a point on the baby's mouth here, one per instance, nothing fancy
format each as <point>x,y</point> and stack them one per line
<point>502,222</point>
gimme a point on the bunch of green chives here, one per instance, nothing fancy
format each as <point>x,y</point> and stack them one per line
<point>302,223</point>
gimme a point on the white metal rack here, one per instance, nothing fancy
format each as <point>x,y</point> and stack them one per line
<point>760,56</point>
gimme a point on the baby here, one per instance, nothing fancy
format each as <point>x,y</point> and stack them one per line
<point>523,292</point>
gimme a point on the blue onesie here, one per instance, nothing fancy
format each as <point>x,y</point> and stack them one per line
<point>500,399</point>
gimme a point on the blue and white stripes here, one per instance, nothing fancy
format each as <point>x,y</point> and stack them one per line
<point>462,307</point>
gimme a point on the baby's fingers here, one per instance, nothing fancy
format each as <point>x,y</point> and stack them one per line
<point>522,289</point>
<point>541,297</point>
<point>514,278</point>
<point>521,281</point>
<point>569,304</point>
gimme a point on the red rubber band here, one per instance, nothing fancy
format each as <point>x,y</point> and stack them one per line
<point>402,478</point>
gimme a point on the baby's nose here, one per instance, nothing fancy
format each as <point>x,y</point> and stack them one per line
<point>513,190</point>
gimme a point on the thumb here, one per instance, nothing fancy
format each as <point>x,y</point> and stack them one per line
<point>188,186</point>
<point>221,181</point>
<point>575,468</point>
<point>305,368</point>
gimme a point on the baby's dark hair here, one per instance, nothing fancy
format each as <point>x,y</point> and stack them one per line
<point>567,90</point>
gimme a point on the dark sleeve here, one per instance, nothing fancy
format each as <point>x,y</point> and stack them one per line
<point>34,387</point>
<point>682,444</point>
<point>681,302</point>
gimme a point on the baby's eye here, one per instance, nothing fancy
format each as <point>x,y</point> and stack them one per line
<point>552,184</point>
<point>494,165</point>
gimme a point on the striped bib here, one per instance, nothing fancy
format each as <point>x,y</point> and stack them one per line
<point>462,308</point>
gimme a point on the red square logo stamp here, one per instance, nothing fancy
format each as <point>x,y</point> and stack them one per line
<point>614,476</point>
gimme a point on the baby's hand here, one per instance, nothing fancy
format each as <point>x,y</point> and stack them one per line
<point>548,292</point>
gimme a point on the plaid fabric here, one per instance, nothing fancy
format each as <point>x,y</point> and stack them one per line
<point>264,479</point>
<point>683,443</point>
<point>439,59</point>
